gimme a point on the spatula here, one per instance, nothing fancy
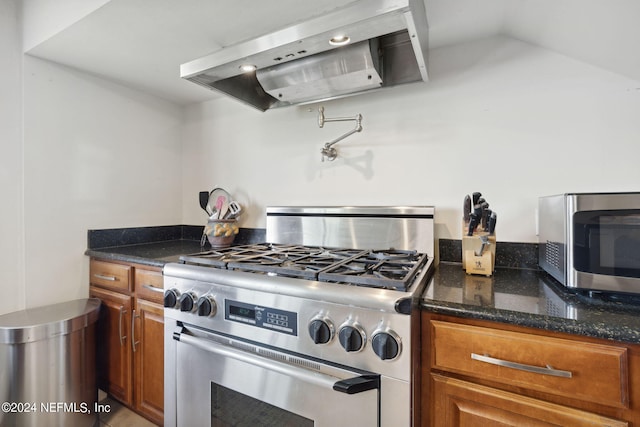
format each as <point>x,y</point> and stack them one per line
<point>204,200</point>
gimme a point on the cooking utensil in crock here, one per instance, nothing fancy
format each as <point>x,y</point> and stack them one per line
<point>204,200</point>
<point>219,205</point>
<point>214,196</point>
<point>234,210</point>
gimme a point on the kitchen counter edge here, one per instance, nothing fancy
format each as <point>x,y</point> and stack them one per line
<point>594,317</point>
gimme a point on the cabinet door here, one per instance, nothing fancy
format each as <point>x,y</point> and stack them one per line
<point>113,353</point>
<point>148,350</point>
<point>461,403</point>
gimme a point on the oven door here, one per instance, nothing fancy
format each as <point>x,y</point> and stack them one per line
<point>221,381</point>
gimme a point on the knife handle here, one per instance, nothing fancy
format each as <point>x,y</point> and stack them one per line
<point>486,214</point>
<point>473,223</point>
<point>492,223</point>
<point>466,208</point>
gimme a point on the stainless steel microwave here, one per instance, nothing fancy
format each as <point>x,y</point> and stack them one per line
<point>591,240</point>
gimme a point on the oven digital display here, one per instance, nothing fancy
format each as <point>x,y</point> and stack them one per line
<point>270,318</point>
<point>243,312</point>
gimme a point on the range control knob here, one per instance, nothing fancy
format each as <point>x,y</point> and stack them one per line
<point>352,337</point>
<point>386,344</point>
<point>206,306</point>
<point>187,302</point>
<point>321,330</point>
<point>171,298</point>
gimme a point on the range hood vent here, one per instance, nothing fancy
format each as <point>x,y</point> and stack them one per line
<point>337,72</point>
<point>297,65</point>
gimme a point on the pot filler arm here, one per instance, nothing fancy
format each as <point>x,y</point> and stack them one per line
<point>328,151</point>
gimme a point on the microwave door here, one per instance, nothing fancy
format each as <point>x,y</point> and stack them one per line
<point>606,247</point>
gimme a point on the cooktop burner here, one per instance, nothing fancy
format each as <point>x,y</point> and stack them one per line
<point>387,268</point>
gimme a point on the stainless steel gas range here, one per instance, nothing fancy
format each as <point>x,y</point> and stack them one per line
<point>318,327</point>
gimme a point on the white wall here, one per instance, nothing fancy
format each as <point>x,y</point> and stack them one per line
<point>11,239</point>
<point>499,116</point>
<point>604,34</point>
<point>46,18</point>
<point>96,155</point>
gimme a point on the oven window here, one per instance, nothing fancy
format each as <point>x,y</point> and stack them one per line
<point>230,408</point>
<point>607,242</point>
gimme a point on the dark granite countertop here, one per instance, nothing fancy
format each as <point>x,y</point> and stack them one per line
<point>155,246</point>
<point>155,254</point>
<point>528,297</point>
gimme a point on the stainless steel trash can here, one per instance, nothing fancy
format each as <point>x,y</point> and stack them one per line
<point>47,365</point>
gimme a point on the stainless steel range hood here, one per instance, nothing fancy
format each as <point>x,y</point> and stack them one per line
<point>296,65</point>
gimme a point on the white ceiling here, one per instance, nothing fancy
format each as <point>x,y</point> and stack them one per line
<point>141,43</point>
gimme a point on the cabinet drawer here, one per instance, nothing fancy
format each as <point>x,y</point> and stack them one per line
<point>110,275</point>
<point>562,367</point>
<point>149,286</point>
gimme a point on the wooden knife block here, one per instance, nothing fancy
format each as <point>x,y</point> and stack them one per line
<point>473,264</point>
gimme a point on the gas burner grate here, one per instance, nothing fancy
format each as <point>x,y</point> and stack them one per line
<point>388,268</point>
<point>293,261</point>
<point>220,257</point>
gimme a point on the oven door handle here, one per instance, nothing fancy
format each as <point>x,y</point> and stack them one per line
<point>350,385</point>
<point>358,384</point>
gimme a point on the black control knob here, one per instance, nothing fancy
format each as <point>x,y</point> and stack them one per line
<point>321,331</point>
<point>351,338</point>
<point>171,298</point>
<point>206,306</point>
<point>386,345</point>
<point>187,302</point>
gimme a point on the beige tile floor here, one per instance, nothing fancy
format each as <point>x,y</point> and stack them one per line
<point>118,415</point>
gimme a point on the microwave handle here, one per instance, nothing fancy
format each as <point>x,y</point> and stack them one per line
<point>350,386</point>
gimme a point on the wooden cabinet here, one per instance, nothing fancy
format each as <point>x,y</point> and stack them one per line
<point>463,403</point>
<point>494,374</point>
<point>148,360</point>
<point>113,354</point>
<point>131,335</point>
<point>117,277</point>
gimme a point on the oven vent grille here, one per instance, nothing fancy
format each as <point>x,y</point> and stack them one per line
<point>271,354</point>
<point>243,346</point>
<point>288,359</point>
<point>304,363</point>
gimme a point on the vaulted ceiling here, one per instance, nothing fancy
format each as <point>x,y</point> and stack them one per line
<point>141,43</point>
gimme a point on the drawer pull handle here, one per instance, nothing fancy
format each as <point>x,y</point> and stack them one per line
<point>153,288</point>
<point>103,277</point>
<point>547,370</point>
